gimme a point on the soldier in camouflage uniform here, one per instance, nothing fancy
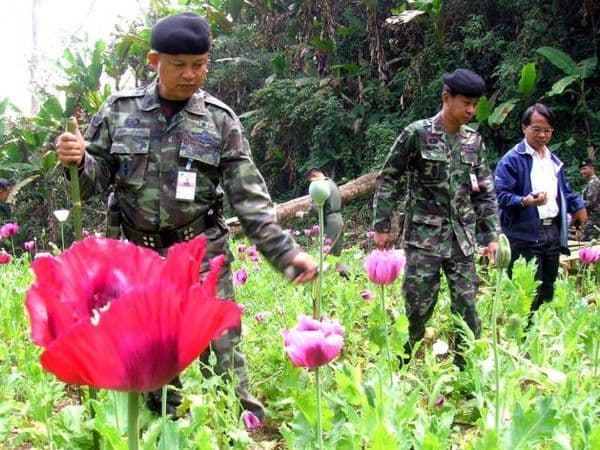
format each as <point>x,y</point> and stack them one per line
<point>173,152</point>
<point>591,197</point>
<point>450,203</point>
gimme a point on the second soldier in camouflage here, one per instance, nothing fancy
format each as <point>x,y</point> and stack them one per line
<point>439,164</point>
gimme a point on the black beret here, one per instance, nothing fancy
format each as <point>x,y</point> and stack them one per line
<point>586,162</point>
<point>465,82</point>
<point>181,34</point>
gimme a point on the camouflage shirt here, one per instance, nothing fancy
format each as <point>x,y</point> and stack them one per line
<point>591,197</point>
<point>131,145</point>
<point>441,203</point>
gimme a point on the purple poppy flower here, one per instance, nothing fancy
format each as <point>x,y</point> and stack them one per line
<point>384,266</point>
<point>8,230</point>
<point>366,295</point>
<point>326,249</point>
<point>313,343</point>
<point>328,241</point>
<point>240,277</point>
<point>29,245</point>
<point>588,255</point>
<point>241,248</point>
<point>315,230</point>
<point>251,421</point>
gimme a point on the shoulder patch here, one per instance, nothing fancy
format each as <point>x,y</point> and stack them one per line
<point>216,102</point>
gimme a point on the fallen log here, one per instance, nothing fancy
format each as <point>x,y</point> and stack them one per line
<point>352,190</point>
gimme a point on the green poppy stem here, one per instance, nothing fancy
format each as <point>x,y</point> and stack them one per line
<point>75,192</point>
<point>132,420</point>
<point>495,349</point>
<point>319,418</point>
<point>317,300</point>
<point>385,333</point>
<point>93,394</point>
<point>163,411</point>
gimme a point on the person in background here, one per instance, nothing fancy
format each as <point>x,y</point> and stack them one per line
<point>173,152</point>
<point>6,187</point>
<point>440,164</point>
<point>534,197</point>
<point>334,222</point>
<point>591,198</point>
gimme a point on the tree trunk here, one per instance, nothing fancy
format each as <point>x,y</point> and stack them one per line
<point>360,187</point>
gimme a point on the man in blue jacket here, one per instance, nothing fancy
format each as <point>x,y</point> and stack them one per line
<point>534,198</point>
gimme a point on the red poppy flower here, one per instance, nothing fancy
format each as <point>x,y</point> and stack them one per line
<point>113,315</point>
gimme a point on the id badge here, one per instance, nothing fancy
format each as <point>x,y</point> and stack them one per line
<point>474,182</point>
<point>186,185</point>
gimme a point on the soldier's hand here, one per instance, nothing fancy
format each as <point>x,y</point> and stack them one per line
<point>306,266</point>
<point>300,214</point>
<point>580,218</point>
<point>382,240</point>
<point>491,250</point>
<point>70,147</point>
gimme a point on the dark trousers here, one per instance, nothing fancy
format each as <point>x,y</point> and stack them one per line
<point>546,252</point>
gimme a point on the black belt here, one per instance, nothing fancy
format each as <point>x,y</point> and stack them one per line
<point>164,239</point>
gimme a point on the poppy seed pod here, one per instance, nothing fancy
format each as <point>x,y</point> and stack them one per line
<point>503,254</point>
<point>319,191</point>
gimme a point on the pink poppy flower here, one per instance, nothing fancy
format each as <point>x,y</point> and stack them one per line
<point>113,315</point>
<point>241,248</point>
<point>240,277</point>
<point>313,343</point>
<point>85,232</point>
<point>296,233</point>
<point>315,230</point>
<point>366,295</point>
<point>328,241</point>
<point>326,249</point>
<point>252,253</point>
<point>307,232</point>
<point>384,266</point>
<point>4,257</point>
<point>588,255</point>
<point>8,230</point>
<point>371,234</point>
<point>251,421</point>
<point>29,245</point>
<point>260,317</point>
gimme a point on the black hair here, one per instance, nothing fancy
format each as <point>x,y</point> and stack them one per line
<point>542,110</point>
<point>313,171</point>
<point>5,184</point>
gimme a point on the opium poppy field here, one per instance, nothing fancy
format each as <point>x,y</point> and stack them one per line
<point>324,358</point>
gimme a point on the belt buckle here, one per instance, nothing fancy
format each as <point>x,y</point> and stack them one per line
<point>547,222</point>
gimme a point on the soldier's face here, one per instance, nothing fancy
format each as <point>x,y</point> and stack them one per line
<point>179,76</point>
<point>459,107</point>
<point>586,172</point>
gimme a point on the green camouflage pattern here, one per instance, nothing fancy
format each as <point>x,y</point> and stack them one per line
<point>591,197</point>
<point>131,144</point>
<point>434,176</point>
<point>422,283</point>
<point>430,172</point>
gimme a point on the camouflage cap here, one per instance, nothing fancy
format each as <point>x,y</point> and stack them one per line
<point>181,34</point>
<point>465,82</point>
<point>586,162</point>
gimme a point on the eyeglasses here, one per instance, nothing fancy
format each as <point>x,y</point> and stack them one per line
<point>538,130</point>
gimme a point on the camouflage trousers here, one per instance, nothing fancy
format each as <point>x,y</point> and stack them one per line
<point>229,359</point>
<point>421,286</point>
<point>334,226</point>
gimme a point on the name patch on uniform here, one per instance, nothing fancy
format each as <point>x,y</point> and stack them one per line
<point>474,182</point>
<point>186,185</point>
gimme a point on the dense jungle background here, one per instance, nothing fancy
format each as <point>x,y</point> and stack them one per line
<point>327,83</point>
